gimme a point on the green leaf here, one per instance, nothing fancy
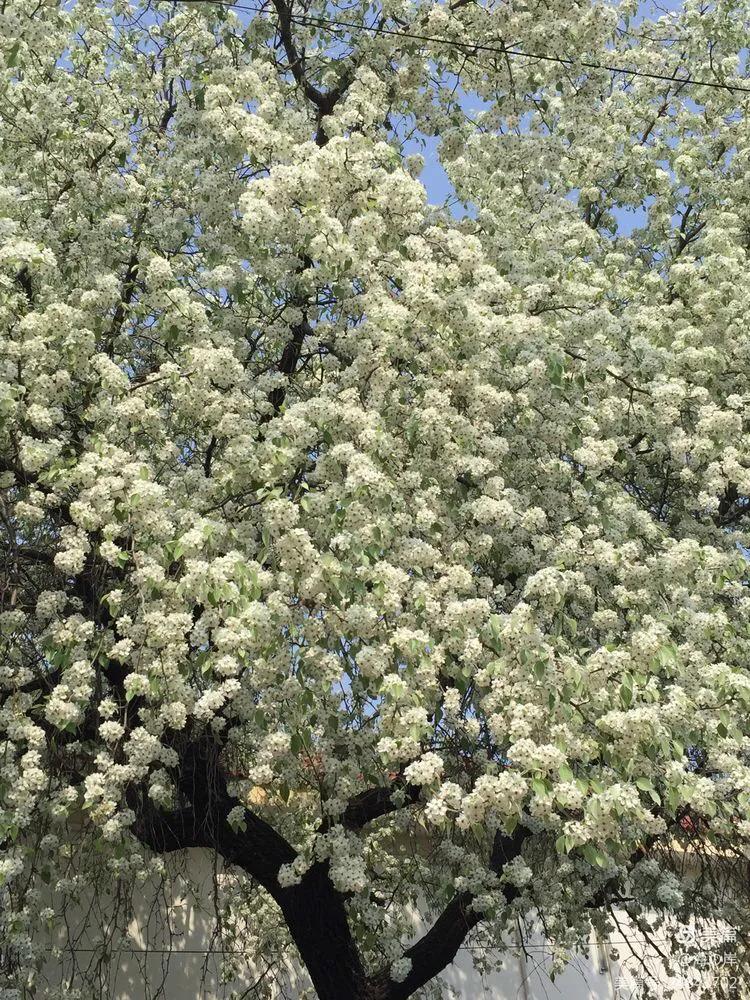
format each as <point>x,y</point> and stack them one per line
<point>594,856</point>
<point>593,807</point>
<point>12,58</point>
<point>555,370</point>
<point>667,655</point>
<point>589,852</point>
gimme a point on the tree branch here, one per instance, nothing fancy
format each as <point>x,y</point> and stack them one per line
<point>323,101</point>
<point>32,554</point>
<point>6,465</point>
<point>165,831</point>
<point>376,802</point>
<point>258,849</point>
<point>288,363</point>
<point>438,947</point>
<point>314,911</point>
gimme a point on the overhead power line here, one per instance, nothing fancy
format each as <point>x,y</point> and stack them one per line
<point>472,47</point>
<point>506,946</point>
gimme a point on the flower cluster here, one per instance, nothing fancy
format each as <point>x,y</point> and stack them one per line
<point>420,539</point>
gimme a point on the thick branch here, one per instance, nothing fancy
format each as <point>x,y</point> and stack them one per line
<point>258,849</point>
<point>376,802</point>
<point>32,554</point>
<point>166,831</point>
<point>323,101</point>
<point>438,947</point>
<point>314,911</point>
<point>296,58</point>
<point>127,291</point>
<point>316,916</point>
<point>289,360</point>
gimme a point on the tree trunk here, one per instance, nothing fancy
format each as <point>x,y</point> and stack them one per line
<point>316,917</point>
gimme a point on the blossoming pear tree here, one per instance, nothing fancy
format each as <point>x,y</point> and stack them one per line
<point>392,551</point>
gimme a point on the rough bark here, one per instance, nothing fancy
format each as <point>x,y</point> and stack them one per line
<point>314,910</point>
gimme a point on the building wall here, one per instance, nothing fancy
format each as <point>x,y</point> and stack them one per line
<point>170,954</point>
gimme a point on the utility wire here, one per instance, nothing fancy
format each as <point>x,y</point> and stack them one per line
<point>526,946</point>
<point>472,47</point>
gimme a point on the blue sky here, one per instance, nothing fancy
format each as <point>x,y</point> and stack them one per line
<point>439,187</point>
<point>436,182</point>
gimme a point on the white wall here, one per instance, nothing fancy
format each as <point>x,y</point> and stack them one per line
<point>179,962</point>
